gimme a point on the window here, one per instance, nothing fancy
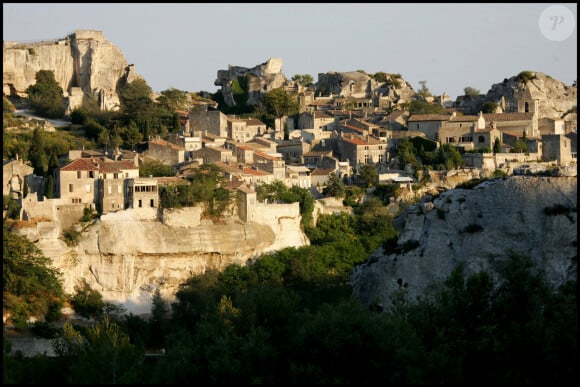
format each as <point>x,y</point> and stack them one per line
<point>115,176</point>
<point>119,190</point>
<point>140,203</point>
<point>152,202</point>
<point>481,139</point>
<point>109,190</point>
<point>92,174</point>
<point>71,188</point>
<point>78,174</point>
<point>88,188</point>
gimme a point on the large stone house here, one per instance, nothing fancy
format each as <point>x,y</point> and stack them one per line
<point>99,182</point>
<point>359,150</point>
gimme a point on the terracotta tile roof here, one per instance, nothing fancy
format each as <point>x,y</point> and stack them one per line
<point>428,117</point>
<point>508,117</point>
<point>355,141</point>
<point>87,164</point>
<point>266,156</point>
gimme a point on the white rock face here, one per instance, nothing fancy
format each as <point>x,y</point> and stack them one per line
<point>127,257</point>
<point>84,59</point>
<point>511,215</point>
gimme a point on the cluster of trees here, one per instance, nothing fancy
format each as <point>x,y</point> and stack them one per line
<point>421,153</point>
<point>289,317</point>
<point>201,186</point>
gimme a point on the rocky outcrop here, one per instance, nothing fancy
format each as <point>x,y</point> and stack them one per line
<point>127,256</point>
<point>259,80</point>
<point>83,63</point>
<point>555,98</point>
<point>477,226</point>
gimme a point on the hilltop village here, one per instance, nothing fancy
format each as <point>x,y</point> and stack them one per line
<point>361,130</point>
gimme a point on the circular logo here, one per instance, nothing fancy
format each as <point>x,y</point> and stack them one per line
<point>557,23</point>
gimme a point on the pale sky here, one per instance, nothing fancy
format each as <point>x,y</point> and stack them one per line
<point>450,46</point>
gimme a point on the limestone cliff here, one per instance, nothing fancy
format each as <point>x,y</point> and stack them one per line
<point>259,79</point>
<point>555,98</point>
<point>83,63</point>
<point>127,256</point>
<point>477,226</point>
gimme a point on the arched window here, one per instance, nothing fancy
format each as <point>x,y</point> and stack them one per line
<point>481,139</point>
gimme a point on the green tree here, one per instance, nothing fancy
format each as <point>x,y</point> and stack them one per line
<point>303,79</point>
<point>279,103</point>
<point>49,187</point>
<point>471,92</point>
<point>104,354</point>
<point>87,302</point>
<point>173,99</point>
<point>406,153</point>
<point>37,153</point>
<point>46,95</point>
<point>156,169</point>
<point>31,286</point>
<point>380,76</point>
<point>132,135</point>
<point>334,187</point>
<point>489,107</point>
<point>496,145</point>
<point>424,91</point>
<point>369,174</point>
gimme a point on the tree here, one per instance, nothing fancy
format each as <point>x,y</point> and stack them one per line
<point>37,153</point>
<point>380,76</point>
<point>132,135</point>
<point>279,103</point>
<point>49,187</point>
<point>471,92</point>
<point>496,145</point>
<point>424,91</point>
<point>31,286</point>
<point>46,95</point>
<point>303,79</point>
<point>489,107</point>
<point>369,174</point>
<point>405,153</point>
<point>87,302</point>
<point>173,99</point>
<point>334,187</point>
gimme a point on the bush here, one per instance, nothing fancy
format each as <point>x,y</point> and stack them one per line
<point>71,236</point>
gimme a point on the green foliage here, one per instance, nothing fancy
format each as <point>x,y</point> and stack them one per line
<point>173,99</point>
<point>279,103</point>
<point>49,187</point>
<point>277,192</point>
<point>240,91</point>
<point>424,91</point>
<point>520,146</point>
<point>102,354</point>
<point>471,92</point>
<point>334,187</point>
<point>380,76</point>
<point>387,191</point>
<point>489,107</point>
<point>31,286</point>
<point>369,174</point>
<point>424,107</point>
<point>406,153</point>
<point>71,236</point>
<point>303,79</point>
<point>525,76</point>
<point>46,95</point>
<point>156,169</point>
<point>88,303</point>
<point>79,116</point>
<point>496,145</point>
<point>499,173</point>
